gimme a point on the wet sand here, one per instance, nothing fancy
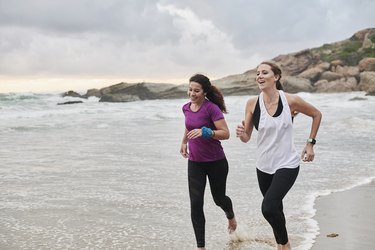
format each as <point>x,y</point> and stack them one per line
<point>348,217</point>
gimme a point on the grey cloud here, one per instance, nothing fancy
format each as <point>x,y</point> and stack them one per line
<point>132,19</point>
<point>285,26</point>
<point>143,38</point>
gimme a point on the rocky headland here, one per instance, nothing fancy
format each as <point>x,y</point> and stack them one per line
<point>343,66</point>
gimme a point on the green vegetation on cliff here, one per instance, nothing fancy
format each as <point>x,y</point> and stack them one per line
<point>349,51</point>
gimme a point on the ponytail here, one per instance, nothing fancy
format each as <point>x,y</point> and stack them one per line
<point>215,96</point>
<point>279,86</point>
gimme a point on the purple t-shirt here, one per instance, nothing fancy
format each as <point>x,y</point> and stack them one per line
<point>203,149</point>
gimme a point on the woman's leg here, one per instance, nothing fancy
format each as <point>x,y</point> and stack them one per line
<point>274,188</point>
<point>217,175</point>
<point>197,185</point>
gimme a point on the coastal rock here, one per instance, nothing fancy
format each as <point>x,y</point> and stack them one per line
<point>340,85</point>
<point>367,82</point>
<point>295,63</point>
<point>367,64</point>
<point>93,92</point>
<point>336,63</point>
<point>347,71</point>
<point>313,74</point>
<point>324,66</point>
<point>342,66</point>
<point>294,84</point>
<point>360,35</point>
<point>357,99</point>
<point>71,93</point>
<point>69,102</point>
<point>119,98</point>
<point>240,84</point>
<point>127,92</point>
<point>117,88</point>
<point>330,76</point>
<point>371,91</point>
<point>174,92</point>
<point>367,43</point>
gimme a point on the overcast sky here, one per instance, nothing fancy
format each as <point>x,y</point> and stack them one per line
<point>78,44</point>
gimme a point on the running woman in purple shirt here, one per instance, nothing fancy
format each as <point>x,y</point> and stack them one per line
<point>205,126</point>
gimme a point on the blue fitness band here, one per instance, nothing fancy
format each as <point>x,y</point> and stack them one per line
<point>206,132</point>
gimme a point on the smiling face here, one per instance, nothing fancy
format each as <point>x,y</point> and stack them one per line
<point>266,77</point>
<point>196,93</point>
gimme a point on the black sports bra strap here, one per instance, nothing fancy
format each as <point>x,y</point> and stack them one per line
<point>256,114</point>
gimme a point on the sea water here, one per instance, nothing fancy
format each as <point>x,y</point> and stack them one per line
<point>99,175</point>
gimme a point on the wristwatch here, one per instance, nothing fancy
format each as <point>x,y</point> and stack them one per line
<point>311,140</point>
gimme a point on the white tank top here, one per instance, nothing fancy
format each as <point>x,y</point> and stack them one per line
<point>276,148</point>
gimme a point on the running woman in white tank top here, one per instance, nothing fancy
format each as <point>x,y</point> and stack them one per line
<point>275,139</point>
<point>277,160</point>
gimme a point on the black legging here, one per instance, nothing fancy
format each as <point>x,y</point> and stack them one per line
<point>274,187</point>
<point>217,172</point>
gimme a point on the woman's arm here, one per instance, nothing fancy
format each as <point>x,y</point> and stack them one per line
<point>221,132</point>
<point>245,129</point>
<point>183,147</point>
<point>297,104</point>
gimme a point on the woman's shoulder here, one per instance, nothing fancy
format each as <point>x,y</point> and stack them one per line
<point>251,102</point>
<point>292,98</point>
<point>212,109</point>
<point>295,103</point>
<point>186,106</point>
<point>209,105</point>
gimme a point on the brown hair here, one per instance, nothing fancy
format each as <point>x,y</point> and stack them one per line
<point>276,71</point>
<point>212,93</point>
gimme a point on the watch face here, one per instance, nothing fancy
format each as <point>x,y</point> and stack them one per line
<point>312,141</point>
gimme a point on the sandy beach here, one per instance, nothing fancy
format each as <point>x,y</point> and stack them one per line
<point>346,219</point>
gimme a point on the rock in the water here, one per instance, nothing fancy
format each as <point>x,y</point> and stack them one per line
<point>69,102</point>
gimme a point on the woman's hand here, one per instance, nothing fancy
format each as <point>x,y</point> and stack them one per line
<point>184,150</point>
<point>308,153</point>
<point>240,130</point>
<point>195,133</point>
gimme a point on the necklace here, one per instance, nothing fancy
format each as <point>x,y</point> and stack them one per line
<point>271,104</point>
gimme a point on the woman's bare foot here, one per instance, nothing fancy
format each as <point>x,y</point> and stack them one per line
<point>201,248</point>
<point>284,247</point>
<point>232,225</point>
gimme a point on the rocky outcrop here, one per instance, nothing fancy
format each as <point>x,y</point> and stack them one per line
<point>367,81</point>
<point>129,92</point>
<point>343,66</point>
<point>126,92</point>
<point>241,84</point>
<point>71,93</point>
<point>367,64</point>
<point>93,92</point>
<point>293,84</point>
<point>296,63</point>
<point>69,102</point>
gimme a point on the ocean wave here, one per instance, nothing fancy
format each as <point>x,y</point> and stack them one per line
<point>357,183</point>
<point>14,97</point>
